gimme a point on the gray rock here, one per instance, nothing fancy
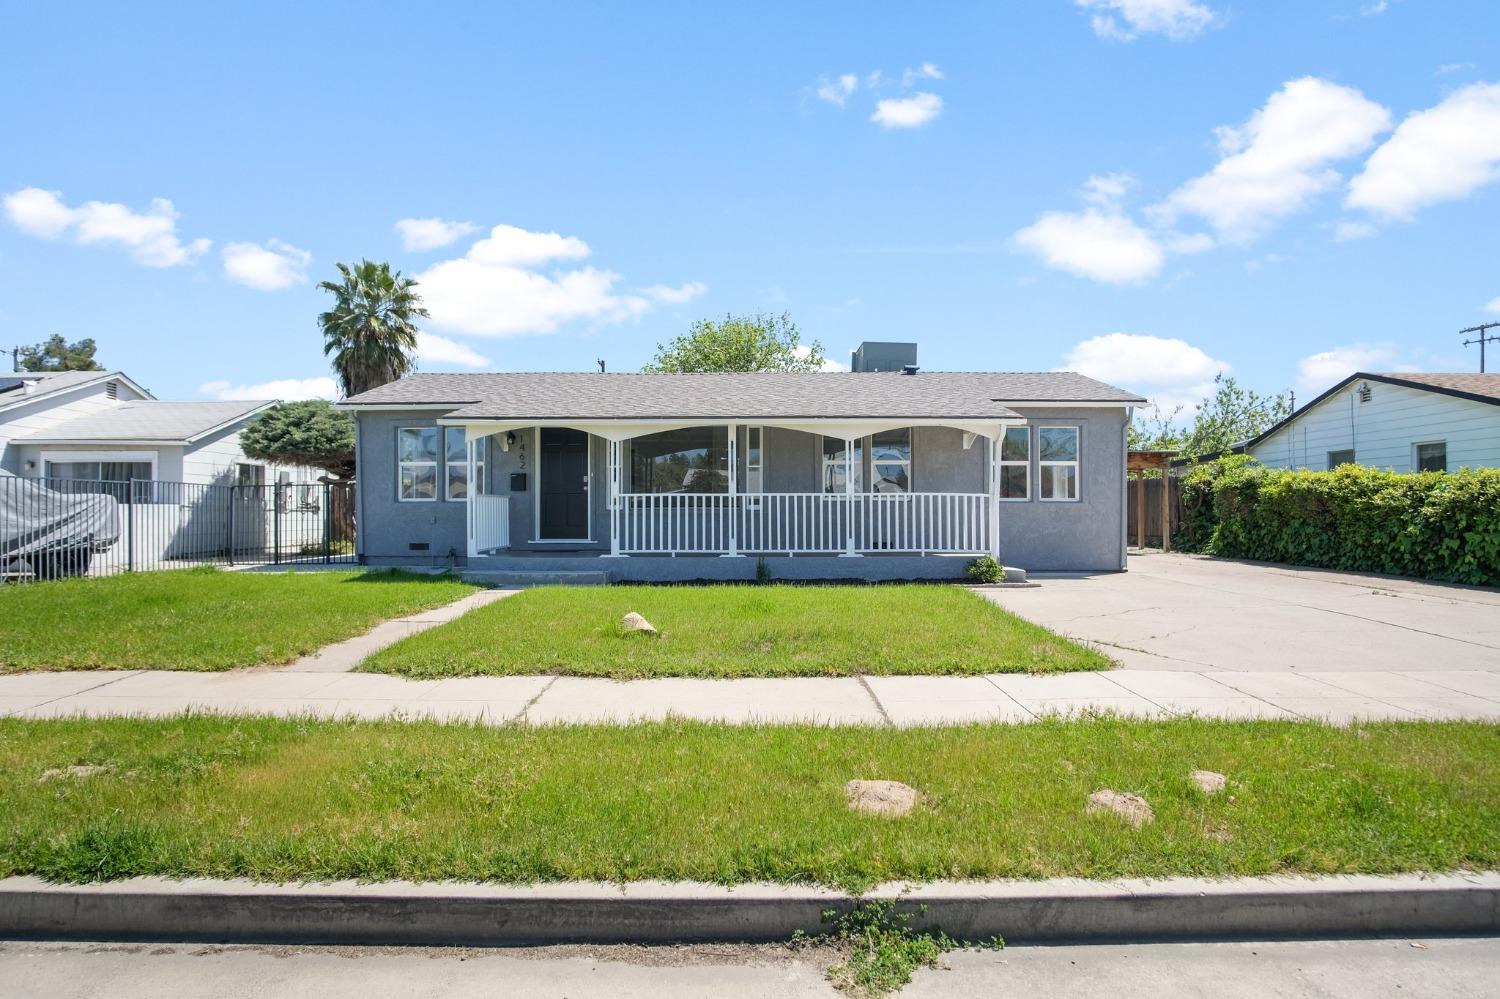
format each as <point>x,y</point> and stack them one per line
<point>1208,782</point>
<point>881,797</point>
<point>633,622</point>
<point>1130,807</point>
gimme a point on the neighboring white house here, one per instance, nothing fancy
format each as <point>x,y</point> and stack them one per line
<point>101,425</point>
<point>1404,422</point>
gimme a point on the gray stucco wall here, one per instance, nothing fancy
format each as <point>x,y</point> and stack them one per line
<point>1084,535</point>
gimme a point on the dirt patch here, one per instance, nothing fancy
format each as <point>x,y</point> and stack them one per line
<point>881,797</point>
<point>1131,807</point>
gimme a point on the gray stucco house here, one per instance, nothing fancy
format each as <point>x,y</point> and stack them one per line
<point>873,474</point>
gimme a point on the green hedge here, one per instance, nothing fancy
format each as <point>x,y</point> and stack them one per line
<point>1436,525</point>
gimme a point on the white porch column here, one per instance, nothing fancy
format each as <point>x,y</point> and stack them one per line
<point>995,493</point>
<point>612,479</point>
<point>471,514</point>
<point>850,497</point>
<point>734,493</point>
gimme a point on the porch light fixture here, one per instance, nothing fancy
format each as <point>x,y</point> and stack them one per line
<point>508,440</point>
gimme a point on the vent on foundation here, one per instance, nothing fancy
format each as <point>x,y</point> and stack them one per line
<point>418,546</point>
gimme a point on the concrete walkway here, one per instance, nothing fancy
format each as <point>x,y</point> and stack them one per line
<point>1338,697</point>
<point>346,655</point>
<point>1184,612</point>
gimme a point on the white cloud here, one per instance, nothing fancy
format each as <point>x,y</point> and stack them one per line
<point>271,267</point>
<point>497,288</point>
<point>667,295</point>
<point>829,364</point>
<point>150,236</point>
<point>285,389</point>
<point>1372,9</point>
<point>1317,372</point>
<point>926,71</point>
<point>1278,161</point>
<point>1445,152</point>
<point>434,349</point>
<point>1493,305</point>
<point>1096,244</point>
<point>1123,20</point>
<point>1449,68</point>
<point>429,234</point>
<point>1107,190</point>
<point>838,91</point>
<point>1170,372</point>
<point>907,112</point>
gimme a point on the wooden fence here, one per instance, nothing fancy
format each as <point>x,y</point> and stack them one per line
<point>1144,523</point>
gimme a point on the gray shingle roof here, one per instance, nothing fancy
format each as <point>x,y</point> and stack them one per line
<point>146,420</point>
<point>1482,385</point>
<point>761,395</point>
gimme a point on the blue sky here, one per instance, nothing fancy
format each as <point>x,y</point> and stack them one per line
<point>1147,190</point>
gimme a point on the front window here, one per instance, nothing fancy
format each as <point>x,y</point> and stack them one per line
<point>839,465</point>
<point>754,460</point>
<point>691,460</point>
<point>890,461</point>
<point>247,474</point>
<point>103,477</point>
<point>1337,458</point>
<point>1432,457</point>
<point>417,463</point>
<point>1058,462</point>
<point>1015,464</point>
<point>456,462</point>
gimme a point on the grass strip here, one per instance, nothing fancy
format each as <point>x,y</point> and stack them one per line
<point>201,619</point>
<point>288,799</point>
<point>736,631</point>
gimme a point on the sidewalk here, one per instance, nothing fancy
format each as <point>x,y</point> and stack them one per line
<point>1336,697</point>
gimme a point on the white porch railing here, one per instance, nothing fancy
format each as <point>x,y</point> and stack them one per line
<point>797,523</point>
<point>489,523</point>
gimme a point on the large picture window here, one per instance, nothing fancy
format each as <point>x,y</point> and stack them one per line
<point>691,460</point>
<point>890,461</point>
<point>417,464</point>
<point>1015,464</point>
<point>1057,456</point>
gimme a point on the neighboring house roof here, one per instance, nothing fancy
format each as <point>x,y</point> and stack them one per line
<point>765,394</point>
<point>148,421</point>
<point>49,383</point>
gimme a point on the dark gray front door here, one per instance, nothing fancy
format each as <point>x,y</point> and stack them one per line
<point>564,466</point>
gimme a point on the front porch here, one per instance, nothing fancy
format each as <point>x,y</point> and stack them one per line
<point>620,491</point>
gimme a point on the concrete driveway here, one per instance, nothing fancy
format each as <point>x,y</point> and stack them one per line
<point>1183,612</point>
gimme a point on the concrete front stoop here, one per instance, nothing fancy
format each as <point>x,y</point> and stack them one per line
<point>516,579</point>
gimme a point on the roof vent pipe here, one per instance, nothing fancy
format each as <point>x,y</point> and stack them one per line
<point>908,369</point>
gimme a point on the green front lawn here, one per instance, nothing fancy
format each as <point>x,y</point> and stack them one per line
<point>725,631</point>
<point>287,799</point>
<point>201,619</point>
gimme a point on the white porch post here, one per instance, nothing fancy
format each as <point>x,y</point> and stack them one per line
<point>471,513</point>
<point>734,492</point>
<point>850,496</point>
<point>995,493</point>
<point>613,483</point>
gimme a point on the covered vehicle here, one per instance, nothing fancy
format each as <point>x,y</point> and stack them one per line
<point>50,533</point>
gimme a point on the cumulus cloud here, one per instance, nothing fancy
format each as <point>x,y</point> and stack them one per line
<point>907,112</point>
<point>286,389</point>
<point>838,91</point>
<point>429,234</point>
<point>1102,245</point>
<point>1278,161</point>
<point>1440,154</point>
<point>499,287</point>
<point>1493,305</point>
<point>926,71</point>
<point>434,349</point>
<point>151,236</point>
<point>1318,372</point>
<point>269,267</point>
<point>1348,232</point>
<point>1172,373</point>
<point>1124,20</point>
<point>829,364</point>
<point>667,295</point>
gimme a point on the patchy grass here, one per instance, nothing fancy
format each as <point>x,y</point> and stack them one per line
<point>286,799</point>
<point>881,951</point>
<point>201,619</point>
<point>726,631</point>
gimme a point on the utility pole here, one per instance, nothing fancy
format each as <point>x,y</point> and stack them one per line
<point>15,357</point>
<point>1484,337</point>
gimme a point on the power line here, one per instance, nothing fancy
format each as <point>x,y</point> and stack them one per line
<point>1483,338</point>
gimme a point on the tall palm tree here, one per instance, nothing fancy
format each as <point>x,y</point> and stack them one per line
<point>370,331</point>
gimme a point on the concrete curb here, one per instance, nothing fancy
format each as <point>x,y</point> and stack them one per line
<point>654,912</point>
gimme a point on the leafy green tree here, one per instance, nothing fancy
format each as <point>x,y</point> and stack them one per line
<point>739,343</point>
<point>1230,416</point>
<point>56,354</point>
<point>303,433</point>
<point>1157,432</point>
<point>371,330</point>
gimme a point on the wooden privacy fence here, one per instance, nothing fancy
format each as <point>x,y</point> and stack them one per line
<point>1154,502</point>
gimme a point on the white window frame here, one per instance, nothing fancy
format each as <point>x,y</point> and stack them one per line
<point>754,482</point>
<point>1416,453</point>
<point>868,472</point>
<point>463,463</point>
<point>827,462</point>
<point>1353,457</point>
<point>437,470</point>
<point>122,457</point>
<point>1023,463</point>
<point>1076,464</point>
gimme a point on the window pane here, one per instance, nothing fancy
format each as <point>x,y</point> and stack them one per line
<point>753,437</point>
<point>1432,457</point>
<point>693,460</point>
<point>1059,482</point>
<point>458,481</point>
<point>891,445</point>
<point>1059,443</point>
<point>419,482</point>
<point>1337,458</point>
<point>1016,444</point>
<point>419,444</point>
<point>1013,482</point>
<point>454,441</point>
<point>124,471</point>
<point>891,478</point>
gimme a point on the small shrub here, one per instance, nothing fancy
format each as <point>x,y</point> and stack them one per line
<point>883,950</point>
<point>985,569</point>
<point>762,571</point>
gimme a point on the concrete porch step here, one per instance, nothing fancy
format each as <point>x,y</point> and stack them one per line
<point>514,579</point>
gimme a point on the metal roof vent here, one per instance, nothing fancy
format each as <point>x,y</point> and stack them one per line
<point>908,369</point>
<point>1364,392</point>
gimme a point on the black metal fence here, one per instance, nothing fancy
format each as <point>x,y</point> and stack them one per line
<point>55,528</point>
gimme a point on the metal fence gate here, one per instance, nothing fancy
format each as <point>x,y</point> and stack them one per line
<point>54,528</point>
